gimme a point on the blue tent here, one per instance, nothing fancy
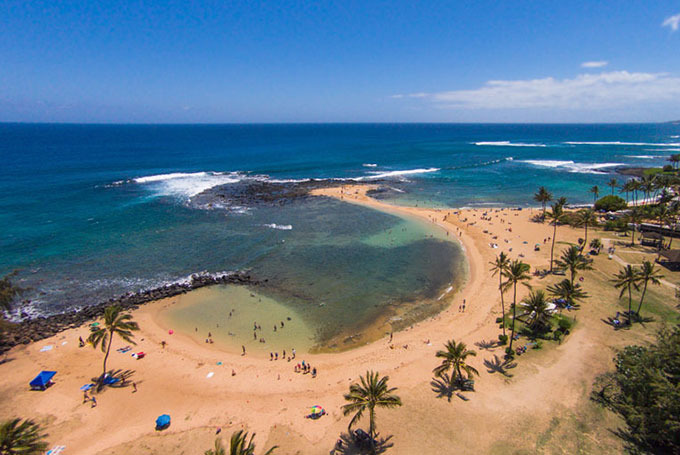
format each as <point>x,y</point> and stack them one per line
<point>42,380</point>
<point>163,422</point>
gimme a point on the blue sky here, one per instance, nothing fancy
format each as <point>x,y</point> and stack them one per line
<point>339,61</point>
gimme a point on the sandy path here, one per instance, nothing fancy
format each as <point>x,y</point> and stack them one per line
<point>269,398</point>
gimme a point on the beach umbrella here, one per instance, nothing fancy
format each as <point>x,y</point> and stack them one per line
<point>163,421</point>
<point>317,410</point>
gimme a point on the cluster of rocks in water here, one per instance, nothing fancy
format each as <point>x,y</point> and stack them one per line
<point>43,327</point>
<point>252,192</point>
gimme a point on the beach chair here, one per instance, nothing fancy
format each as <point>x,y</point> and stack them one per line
<point>141,355</point>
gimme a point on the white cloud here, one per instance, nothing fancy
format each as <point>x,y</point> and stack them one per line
<point>586,91</point>
<point>673,22</point>
<point>596,64</point>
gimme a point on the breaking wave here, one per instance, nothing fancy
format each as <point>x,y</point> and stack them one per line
<point>571,166</point>
<point>653,144</point>
<point>281,227</point>
<point>508,144</point>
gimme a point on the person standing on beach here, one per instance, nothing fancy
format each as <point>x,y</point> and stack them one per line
<point>134,387</point>
<point>94,402</point>
<point>244,349</point>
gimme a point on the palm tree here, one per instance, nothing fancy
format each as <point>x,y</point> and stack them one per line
<point>612,184</point>
<point>596,193</point>
<point>454,359</point>
<point>627,279</point>
<point>635,186</point>
<point>498,267</point>
<point>674,159</point>
<point>543,196</point>
<point>371,393</point>
<point>596,244</point>
<point>569,292</point>
<point>555,215</point>
<point>115,322</point>
<point>22,438</point>
<point>516,272</point>
<point>585,218</point>
<point>536,309</point>
<point>627,188</point>
<point>238,445</point>
<point>573,260</point>
<point>218,450</point>
<point>648,273</point>
<point>635,217</point>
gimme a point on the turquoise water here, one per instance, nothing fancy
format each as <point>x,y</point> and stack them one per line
<point>89,212</point>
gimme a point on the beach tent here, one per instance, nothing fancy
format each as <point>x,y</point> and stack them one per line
<point>41,381</point>
<point>162,422</point>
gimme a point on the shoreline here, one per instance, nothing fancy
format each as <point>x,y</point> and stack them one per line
<point>270,399</point>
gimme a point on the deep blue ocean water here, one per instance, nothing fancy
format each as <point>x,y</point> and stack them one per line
<point>92,211</point>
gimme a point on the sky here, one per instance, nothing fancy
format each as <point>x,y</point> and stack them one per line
<point>175,61</point>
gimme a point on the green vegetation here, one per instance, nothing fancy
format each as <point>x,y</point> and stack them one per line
<point>498,267</point>
<point>611,203</point>
<point>371,393</point>
<point>543,196</point>
<point>644,389</point>
<point>516,272</point>
<point>115,322</point>
<point>555,216</point>
<point>454,359</point>
<point>574,261</point>
<point>238,445</point>
<point>21,438</point>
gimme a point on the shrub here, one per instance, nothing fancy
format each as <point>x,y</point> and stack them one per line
<point>538,345</point>
<point>557,335</point>
<point>668,168</point>
<point>509,352</point>
<point>611,203</point>
<point>499,320</point>
<point>503,339</point>
<point>616,225</point>
<point>565,324</point>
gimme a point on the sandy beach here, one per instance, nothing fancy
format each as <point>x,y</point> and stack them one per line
<point>542,408</point>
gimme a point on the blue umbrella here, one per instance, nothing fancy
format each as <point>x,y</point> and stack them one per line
<point>163,421</point>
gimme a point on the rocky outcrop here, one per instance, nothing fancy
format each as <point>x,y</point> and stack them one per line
<point>40,328</point>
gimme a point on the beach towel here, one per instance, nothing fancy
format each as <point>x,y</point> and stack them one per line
<point>87,387</point>
<point>210,375</point>
<point>46,348</point>
<point>56,450</point>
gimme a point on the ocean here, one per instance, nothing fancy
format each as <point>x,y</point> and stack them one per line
<point>89,212</point>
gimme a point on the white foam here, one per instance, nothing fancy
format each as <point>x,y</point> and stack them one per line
<point>186,185</point>
<point>369,165</point>
<point>645,157</point>
<point>675,136</point>
<point>653,144</point>
<point>282,227</point>
<point>388,174</point>
<point>508,144</point>
<point>583,168</point>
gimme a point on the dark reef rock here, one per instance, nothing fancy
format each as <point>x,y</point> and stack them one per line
<point>40,328</point>
<point>252,192</point>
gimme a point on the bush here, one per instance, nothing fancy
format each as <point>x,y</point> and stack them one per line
<point>616,225</point>
<point>538,345</point>
<point>565,324</point>
<point>557,336</point>
<point>611,203</point>
<point>668,168</point>
<point>499,320</point>
<point>503,339</point>
<point>509,352</point>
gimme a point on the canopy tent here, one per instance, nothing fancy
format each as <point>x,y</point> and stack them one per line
<point>41,381</point>
<point>162,422</point>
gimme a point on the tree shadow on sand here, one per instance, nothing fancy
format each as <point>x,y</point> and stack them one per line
<point>484,344</point>
<point>619,323</point>
<point>446,386</point>
<point>354,444</point>
<point>498,365</point>
<point>116,379</point>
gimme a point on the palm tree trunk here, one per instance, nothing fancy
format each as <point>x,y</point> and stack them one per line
<point>585,240</point>
<point>632,240</point>
<point>644,289</point>
<point>371,428</point>
<point>514,309</point>
<point>552,248</point>
<point>543,216</point>
<point>500,288</point>
<point>630,301</point>
<point>108,349</point>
